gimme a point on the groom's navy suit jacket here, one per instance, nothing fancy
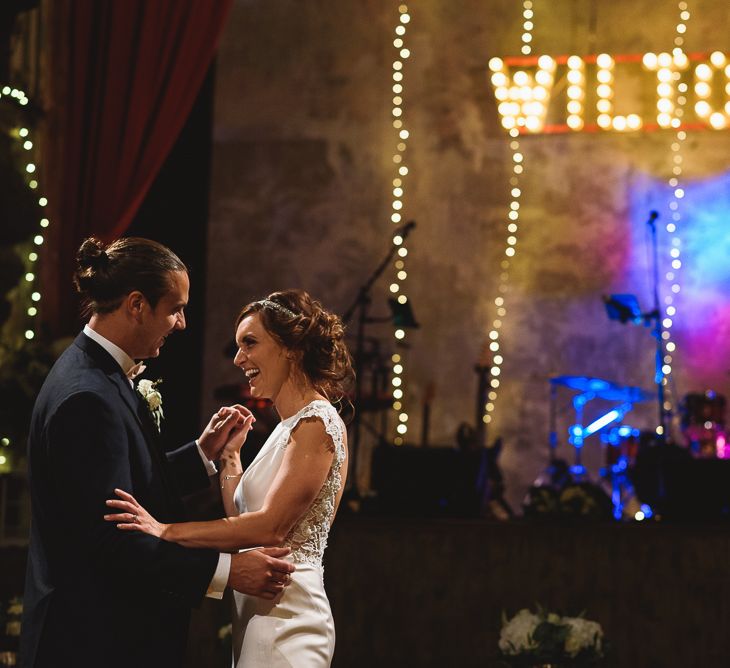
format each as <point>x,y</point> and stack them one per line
<point>96,595</point>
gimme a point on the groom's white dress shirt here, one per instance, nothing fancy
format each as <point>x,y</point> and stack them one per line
<point>220,577</point>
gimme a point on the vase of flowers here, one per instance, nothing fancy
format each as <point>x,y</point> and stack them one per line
<point>541,640</point>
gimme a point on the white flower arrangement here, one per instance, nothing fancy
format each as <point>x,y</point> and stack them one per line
<point>517,633</point>
<point>583,634</point>
<point>150,393</point>
<point>530,638</point>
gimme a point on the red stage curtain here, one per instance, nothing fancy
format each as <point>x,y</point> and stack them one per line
<point>123,78</point>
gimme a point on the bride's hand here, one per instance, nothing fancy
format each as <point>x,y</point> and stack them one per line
<point>236,439</point>
<point>223,423</point>
<point>134,517</point>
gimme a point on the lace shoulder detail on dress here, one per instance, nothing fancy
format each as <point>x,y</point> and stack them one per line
<point>308,537</point>
<point>333,425</point>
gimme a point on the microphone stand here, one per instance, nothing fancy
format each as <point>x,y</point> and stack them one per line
<point>361,304</point>
<point>658,331</point>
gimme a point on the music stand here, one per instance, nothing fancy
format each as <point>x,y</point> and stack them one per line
<point>402,315</point>
<point>624,308</point>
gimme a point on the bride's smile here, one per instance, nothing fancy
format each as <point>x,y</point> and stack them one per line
<point>263,361</point>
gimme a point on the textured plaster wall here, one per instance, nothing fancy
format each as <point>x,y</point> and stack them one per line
<point>301,196</point>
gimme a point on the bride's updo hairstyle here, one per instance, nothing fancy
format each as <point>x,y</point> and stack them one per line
<point>105,274</point>
<point>316,337</point>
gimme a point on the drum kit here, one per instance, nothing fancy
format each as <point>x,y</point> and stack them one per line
<point>702,428</point>
<point>703,415</point>
<point>607,424</point>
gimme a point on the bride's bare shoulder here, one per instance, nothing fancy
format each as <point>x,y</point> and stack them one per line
<point>310,434</point>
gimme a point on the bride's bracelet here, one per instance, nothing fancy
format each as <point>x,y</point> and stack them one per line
<point>224,478</point>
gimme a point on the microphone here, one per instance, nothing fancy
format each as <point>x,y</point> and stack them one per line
<point>653,215</point>
<point>405,230</point>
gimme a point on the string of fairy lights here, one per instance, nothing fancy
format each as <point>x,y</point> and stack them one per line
<point>397,286</point>
<point>670,114</point>
<point>23,136</point>
<point>527,26</point>
<point>522,105</point>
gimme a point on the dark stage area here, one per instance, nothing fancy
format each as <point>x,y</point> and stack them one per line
<point>431,593</point>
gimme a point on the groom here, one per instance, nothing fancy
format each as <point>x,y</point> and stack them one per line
<point>97,596</point>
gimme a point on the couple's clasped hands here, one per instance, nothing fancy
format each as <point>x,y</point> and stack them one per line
<point>226,431</point>
<point>261,572</point>
<point>223,436</point>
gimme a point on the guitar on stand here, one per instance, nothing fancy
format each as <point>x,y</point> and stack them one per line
<point>490,480</point>
<point>426,421</point>
<point>481,368</point>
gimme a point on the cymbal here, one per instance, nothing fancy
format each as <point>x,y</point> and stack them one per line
<point>603,389</point>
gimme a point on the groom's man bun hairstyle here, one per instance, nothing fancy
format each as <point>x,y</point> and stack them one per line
<point>316,336</point>
<point>105,274</point>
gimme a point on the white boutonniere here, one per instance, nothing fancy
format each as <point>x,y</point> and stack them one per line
<point>150,393</point>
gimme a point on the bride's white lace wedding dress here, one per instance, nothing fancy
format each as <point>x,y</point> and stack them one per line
<point>295,629</point>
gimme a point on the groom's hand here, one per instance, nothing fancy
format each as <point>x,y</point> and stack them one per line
<point>225,421</point>
<point>261,572</point>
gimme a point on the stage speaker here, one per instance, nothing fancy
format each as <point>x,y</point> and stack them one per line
<point>681,488</point>
<point>426,482</point>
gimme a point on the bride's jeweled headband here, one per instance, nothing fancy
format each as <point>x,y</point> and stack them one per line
<point>277,307</point>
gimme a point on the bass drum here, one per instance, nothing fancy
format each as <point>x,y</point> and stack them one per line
<point>703,424</point>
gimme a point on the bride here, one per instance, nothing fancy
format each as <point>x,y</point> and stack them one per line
<point>292,352</point>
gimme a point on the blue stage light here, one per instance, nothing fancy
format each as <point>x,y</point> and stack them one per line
<point>601,422</point>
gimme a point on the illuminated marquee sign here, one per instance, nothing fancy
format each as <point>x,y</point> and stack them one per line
<point>525,88</point>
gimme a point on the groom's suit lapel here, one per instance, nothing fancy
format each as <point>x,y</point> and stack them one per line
<point>136,404</point>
